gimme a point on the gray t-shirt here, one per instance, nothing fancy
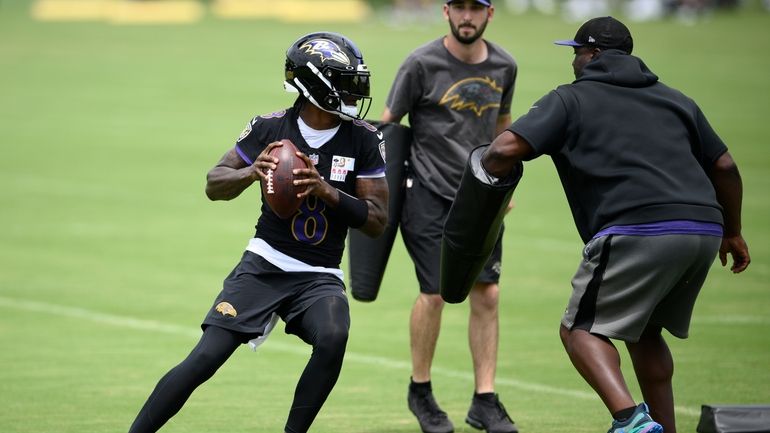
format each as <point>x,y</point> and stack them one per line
<point>452,107</point>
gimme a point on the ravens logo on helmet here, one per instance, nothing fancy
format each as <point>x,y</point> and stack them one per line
<point>329,71</point>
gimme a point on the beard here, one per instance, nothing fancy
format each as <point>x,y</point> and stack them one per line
<point>467,40</point>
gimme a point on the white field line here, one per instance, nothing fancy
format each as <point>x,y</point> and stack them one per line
<point>156,326</point>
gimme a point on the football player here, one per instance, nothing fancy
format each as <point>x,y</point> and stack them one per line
<point>291,267</point>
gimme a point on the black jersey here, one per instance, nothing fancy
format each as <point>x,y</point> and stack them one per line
<point>316,233</point>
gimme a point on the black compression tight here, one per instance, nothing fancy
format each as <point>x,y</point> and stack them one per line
<point>173,389</point>
<point>324,325</point>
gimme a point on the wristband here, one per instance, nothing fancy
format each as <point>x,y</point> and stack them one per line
<point>354,211</point>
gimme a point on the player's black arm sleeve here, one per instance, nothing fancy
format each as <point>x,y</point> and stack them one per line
<point>473,225</point>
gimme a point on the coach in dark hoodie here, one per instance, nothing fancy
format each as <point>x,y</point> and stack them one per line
<point>654,195</point>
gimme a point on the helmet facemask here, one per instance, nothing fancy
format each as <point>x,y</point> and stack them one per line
<point>339,87</point>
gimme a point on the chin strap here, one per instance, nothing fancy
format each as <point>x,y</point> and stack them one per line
<point>473,225</point>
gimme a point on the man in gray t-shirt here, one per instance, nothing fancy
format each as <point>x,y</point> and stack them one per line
<point>456,92</point>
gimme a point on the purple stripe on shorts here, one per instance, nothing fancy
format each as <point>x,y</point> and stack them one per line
<point>243,155</point>
<point>674,227</point>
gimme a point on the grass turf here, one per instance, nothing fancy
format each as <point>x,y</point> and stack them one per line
<point>111,254</point>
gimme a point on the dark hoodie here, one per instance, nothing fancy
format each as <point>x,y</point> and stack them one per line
<point>628,149</point>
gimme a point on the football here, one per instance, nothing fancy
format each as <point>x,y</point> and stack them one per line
<point>278,190</point>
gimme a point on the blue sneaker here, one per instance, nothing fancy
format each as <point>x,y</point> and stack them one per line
<point>639,422</point>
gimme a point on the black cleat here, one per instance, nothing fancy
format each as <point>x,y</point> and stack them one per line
<point>490,415</point>
<point>431,418</point>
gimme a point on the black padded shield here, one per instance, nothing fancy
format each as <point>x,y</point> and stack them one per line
<point>734,419</point>
<point>472,228</point>
<point>369,256</point>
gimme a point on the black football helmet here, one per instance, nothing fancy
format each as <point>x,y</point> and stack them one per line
<point>329,70</point>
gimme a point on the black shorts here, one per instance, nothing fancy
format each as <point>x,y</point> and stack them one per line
<point>256,288</point>
<point>422,224</point>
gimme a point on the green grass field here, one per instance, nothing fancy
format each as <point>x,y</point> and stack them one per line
<point>110,253</point>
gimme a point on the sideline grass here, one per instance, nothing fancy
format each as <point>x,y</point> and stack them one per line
<point>107,133</point>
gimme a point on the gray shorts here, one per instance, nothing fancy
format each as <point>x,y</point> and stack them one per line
<point>422,225</point>
<point>627,283</point>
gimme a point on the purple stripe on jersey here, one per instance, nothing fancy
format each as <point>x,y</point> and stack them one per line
<point>674,227</point>
<point>243,155</point>
<point>371,173</point>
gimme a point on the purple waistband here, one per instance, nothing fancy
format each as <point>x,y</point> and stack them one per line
<point>675,227</point>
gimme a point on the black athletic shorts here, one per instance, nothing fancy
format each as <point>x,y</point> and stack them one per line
<point>422,224</point>
<point>256,288</point>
